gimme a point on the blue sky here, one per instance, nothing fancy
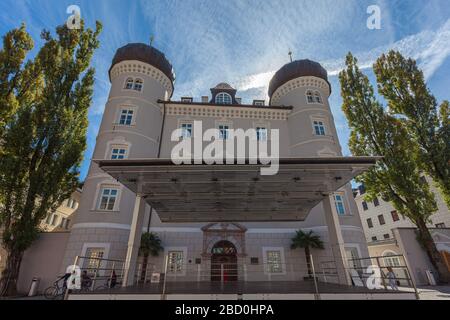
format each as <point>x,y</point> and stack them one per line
<point>245,42</point>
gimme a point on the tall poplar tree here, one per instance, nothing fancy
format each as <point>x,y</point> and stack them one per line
<point>402,84</point>
<point>43,132</point>
<point>396,176</point>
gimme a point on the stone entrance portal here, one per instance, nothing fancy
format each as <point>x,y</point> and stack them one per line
<point>224,262</point>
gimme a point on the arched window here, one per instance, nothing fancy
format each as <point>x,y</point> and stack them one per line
<point>129,84</point>
<point>223,98</point>
<point>309,96</point>
<point>138,84</point>
<point>317,97</point>
<point>224,247</point>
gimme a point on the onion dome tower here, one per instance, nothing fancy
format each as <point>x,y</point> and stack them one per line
<point>140,75</point>
<point>304,85</point>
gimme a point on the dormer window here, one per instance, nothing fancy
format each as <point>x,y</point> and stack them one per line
<point>223,98</point>
<point>187,99</point>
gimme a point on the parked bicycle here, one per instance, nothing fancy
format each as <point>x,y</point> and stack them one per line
<point>56,290</point>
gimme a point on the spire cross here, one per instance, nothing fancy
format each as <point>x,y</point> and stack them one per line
<point>290,54</point>
<point>151,40</point>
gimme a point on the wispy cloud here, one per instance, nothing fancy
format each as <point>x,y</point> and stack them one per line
<point>430,48</point>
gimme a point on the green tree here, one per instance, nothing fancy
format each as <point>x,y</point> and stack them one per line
<point>13,82</point>
<point>44,133</point>
<point>403,86</point>
<point>307,241</point>
<point>150,246</point>
<point>396,176</point>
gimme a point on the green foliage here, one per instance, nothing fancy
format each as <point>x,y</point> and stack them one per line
<point>403,86</point>
<point>150,245</point>
<point>43,127</point>
<point>306,240</point>
<point>376,132</point>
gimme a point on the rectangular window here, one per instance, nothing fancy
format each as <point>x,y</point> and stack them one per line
<point>67,224</point>
<point>254,260</point>
<point>108,199</point>
<point>186,130</point>
<point>175,261</point>
<point>93,259</point>
<point>319,128</point>
<point>223,132</point>
<point>49,218</point>
<point>62,223</point>
<point>118,153</point>
<point>369,223</point>
<point>261,134</point>
<point>339,202</point>
<point>274,263</point>
<point>374,238</point>
<point>126,117</point>
<point>376,202</point>
<point>386,236</point>
<point>395,216</point>
<point>364,205</point>
<point>54,220</point>
<point>381,220</point>
<point>440,225</point>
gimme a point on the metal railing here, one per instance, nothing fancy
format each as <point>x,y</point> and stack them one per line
<point>319,275</point>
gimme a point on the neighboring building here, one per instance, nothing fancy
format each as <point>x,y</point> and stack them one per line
<point>389,234</point>
<point>380,217</point>
<point>58,221</point>
<point>61,219</point>
<point>137,125</point>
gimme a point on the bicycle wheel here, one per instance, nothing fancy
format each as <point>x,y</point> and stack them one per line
<point>51,293</point>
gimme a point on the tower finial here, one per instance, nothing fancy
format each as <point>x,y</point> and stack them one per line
<point>290,54</point>
<point>151,40</point>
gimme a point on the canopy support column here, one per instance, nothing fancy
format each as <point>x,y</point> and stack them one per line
<point>134,241</point>
<point>336,240</point>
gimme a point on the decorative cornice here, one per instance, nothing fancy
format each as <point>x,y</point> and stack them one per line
<point>142,68</point>
<point>309,82</point>
<point>227,112</point>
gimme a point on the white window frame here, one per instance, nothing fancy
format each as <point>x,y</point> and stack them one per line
<point>98,193</point>
<point>94,245</point>
<point>140,84</point>
<point>184,250</point>
<point>317,94</point>
<point>186,123</point>
<point>133,117</point>
<point>265,260</point>
<point>229,124</point>
<point>119,147</point>
<point>125,86</point>
<point>265,136</point>
<point>223,94</point>
<point>342,196</point>
<point>321,124</point>
<point>117,142</point>
<point>309,96</point>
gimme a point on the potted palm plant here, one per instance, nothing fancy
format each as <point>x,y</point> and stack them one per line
<point>307,240</point>
<point>150,246</point>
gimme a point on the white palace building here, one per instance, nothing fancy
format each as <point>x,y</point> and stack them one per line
<point>222,222</point>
